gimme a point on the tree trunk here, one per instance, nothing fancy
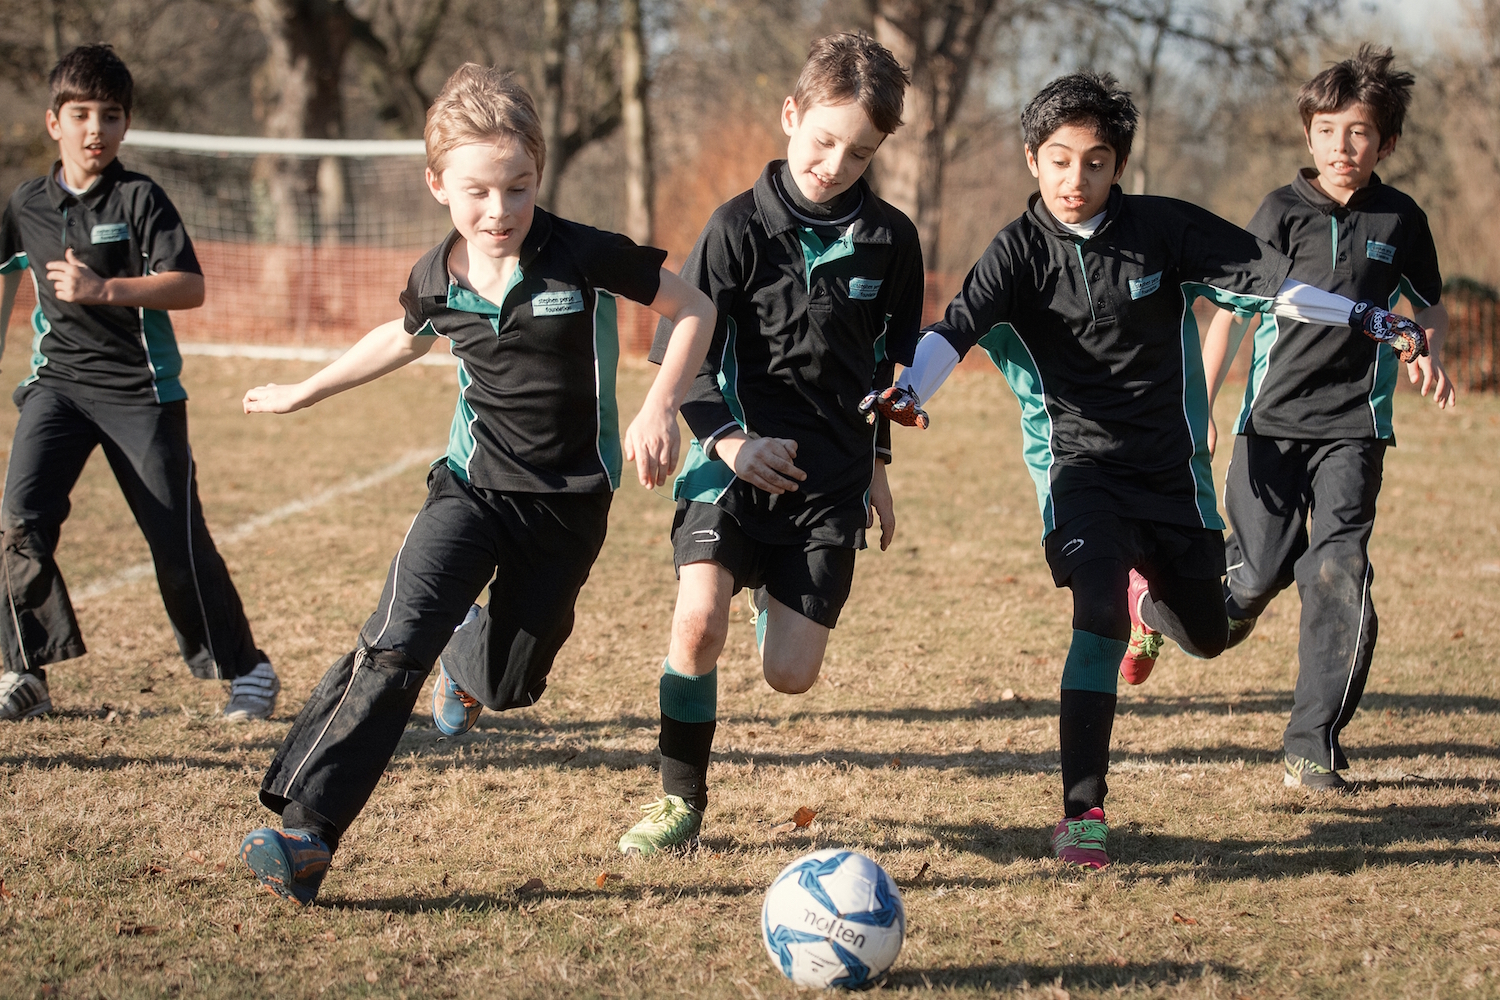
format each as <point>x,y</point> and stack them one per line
<point>937,41</point>
<point>554,57</point>
<point>634,83</point>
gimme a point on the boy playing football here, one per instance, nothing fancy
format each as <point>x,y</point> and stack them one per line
<point>1312,431</point>
<point>1084,303</point>
<point>108,256</point>
<point>818,287</point>
<point>522,497</point>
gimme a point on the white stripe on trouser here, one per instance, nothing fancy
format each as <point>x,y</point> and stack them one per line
<point>1364,599</point>
<point>10,599</point>
<point>359,657</point>
<point>193,568</point>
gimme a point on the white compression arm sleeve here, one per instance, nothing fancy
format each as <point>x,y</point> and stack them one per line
<point>934,362</point>
<point>1307,304</point>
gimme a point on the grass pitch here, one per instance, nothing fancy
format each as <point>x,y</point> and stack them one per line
<point>483,865</point>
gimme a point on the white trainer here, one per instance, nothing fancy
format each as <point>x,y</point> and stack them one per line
<point>22,696</point>
<point>253,696</point>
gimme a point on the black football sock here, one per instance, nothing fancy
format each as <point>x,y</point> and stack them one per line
<point>685,750</point>
<point>297,816</point>
<point>1083,727</point>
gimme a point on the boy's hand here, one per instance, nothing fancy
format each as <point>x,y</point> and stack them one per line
<point>897,404</point>
<point>72,281</point>
<point>883,505</point>
<point>651,442</point>
<point>1385,327</point>
<point>1431,372</point>
<point>273,398</point>
<point>767,463</point>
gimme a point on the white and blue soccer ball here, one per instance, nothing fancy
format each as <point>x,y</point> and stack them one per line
<point>833,918</point>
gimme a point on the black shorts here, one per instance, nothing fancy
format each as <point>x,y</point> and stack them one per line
<point>812,579</point>
<point>1176,549</point>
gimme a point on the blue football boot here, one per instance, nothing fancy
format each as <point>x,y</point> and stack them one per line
<point>454,710</point>
<point>290,863</point>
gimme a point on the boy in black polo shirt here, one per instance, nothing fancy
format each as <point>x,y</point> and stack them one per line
<point>1084,302</point>
<point>1316,419</point>
<point>818,287</point>
<point>528,302</point>
<point>108,256</point>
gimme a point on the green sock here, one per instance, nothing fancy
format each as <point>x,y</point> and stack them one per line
<point>687,698</point>
<point>1093,663</point>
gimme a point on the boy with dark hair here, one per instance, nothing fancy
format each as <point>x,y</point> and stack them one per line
<point>1315,423</point>
<point>818,286</point>
<point>520,502</point>
<point>1084,303</point>
<point>108,256</point>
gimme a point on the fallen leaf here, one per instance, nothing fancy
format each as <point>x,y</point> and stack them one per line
<point>607,877</point>
<point>716,855</point>
<point>135,930</point>
<point>372,977</point>
<point>786,827</point>
<point>533,885</point>
<point>921,871</point>
<point>236,927</point>
<point>153,870</point>
<point>1178,918</point>
<point>445,880</point>
<point>1007,579</point>
<point>4,892</point>
<point>1009,694</point>
<point>1459,634</point>
<point>803,816</point>
<point>196,856</point>
<point>896,761</point>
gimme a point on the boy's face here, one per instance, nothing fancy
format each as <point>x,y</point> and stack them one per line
<point>1074,169</point>
<point>828,147</point>
<point>1346,146</point>
<point>88,135</point>
<point>490,190</point>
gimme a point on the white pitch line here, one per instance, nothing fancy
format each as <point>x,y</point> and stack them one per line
<point>144,570</point>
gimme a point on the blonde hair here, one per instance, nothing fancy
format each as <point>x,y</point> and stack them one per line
<point>481,104</point>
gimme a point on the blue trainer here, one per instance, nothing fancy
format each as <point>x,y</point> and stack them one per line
<point>290,863</point>
<point>454,710</point>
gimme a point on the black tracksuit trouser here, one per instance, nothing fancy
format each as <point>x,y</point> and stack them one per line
<point>147,448</point>
<point>1302,512</point>
<point>537,547</point>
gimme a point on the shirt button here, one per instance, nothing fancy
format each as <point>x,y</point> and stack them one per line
<point>1343,257</point>
<point>1095,276</point>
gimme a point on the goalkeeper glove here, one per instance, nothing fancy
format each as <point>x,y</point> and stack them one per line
<point>897,404</point>
<point>1405,336</point>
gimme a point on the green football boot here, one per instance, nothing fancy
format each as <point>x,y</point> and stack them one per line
<point>1303,773</point>
<point>669,823</point>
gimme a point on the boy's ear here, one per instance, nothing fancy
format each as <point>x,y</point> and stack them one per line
<point>435,185</point>
<point>1031,163</point>
<point>54,127</point>
<point>789,116</point>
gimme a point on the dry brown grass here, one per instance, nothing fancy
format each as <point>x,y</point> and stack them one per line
<point>119,814</point>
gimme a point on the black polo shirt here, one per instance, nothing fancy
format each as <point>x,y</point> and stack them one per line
<point>1317,382</point>
<point>536,372</point>
<point>124,226</point>
<point>810,320</point>
<point>1098,341</point>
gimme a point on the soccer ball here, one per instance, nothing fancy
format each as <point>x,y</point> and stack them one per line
<point>833,918</point>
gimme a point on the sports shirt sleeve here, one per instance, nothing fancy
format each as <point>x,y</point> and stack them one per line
<point>12,253</point>
<point>164,239</point>
<point>714,268</point>
<point>618,264</point>
<point>984,300</point>
<point>1232,267</point>
<point>1421,278</point>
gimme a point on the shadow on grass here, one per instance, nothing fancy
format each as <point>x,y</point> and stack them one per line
<point>1095,975</point>
<point>516,900</point>
<point>114,762</point>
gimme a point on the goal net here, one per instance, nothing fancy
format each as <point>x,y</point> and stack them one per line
<point>303,242</point>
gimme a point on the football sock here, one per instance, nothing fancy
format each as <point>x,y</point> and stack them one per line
<point>297,816</point>
<point>1090,679</point>
<point>763,603</point>
<point>1083,728</point>
<point>689,713</point>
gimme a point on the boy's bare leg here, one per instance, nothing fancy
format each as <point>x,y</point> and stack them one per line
<point>700,622</point>
<point>793,653</point>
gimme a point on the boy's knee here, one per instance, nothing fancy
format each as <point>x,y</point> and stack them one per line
<point>700,629</point>
<point>790,675</point>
